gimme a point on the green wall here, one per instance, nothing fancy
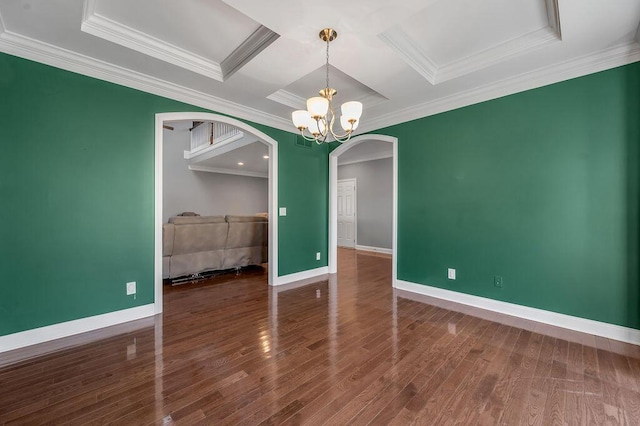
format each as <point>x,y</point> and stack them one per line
<point>540,188</point>
<point>77,191</point>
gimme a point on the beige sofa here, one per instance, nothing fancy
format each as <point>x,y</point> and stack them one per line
<point>195,244</point>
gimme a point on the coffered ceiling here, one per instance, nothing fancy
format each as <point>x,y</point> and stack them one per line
<point>260,60</point>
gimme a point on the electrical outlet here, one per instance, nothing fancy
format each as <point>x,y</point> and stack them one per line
<point>131,288</point>
<point>497,281</point>
<point>451,274</point>
<point>318,256</point>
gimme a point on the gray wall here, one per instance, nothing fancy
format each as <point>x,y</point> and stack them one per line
<point>375,200</point>
<point>203,192</point>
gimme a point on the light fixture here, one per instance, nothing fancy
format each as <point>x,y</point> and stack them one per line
<point>266,157</point>
<point>241,164</point>
<point>319,117</point>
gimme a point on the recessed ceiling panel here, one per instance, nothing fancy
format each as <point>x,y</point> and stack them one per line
<point>349,89</point>
<point>479,35</point>
<point>477,26</point>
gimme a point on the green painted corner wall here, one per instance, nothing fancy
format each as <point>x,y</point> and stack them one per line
<point>540,188</point>
<point>77,191</point>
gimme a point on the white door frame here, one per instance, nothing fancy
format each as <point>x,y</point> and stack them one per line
<point>355,209</point>
<point>333,198</point>
<point>273,190</point>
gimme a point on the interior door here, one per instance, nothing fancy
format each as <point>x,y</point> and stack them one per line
<point>347,213</point>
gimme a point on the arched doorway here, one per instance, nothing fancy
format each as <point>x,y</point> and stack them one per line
<point>273,190</point>
<point>333,194</point>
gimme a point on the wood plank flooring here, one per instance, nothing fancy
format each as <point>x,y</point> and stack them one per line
<point>348,350</point>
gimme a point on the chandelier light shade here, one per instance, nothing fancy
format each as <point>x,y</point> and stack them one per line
<point>316,122</point>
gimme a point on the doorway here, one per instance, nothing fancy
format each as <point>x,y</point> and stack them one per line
<point>333,198</point>
<point>347,214</point>
<point>272,190</point>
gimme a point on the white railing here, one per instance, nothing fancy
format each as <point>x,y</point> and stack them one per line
<point>207,134</point>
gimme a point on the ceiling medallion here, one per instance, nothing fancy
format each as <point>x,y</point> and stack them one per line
<point>316,122</point>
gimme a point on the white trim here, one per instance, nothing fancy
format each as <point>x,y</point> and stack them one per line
<point>273,190</point>
<point>599,61</point>
<point>259,40</point>
<point>107,29</point>
<point>333,193</point>
<point>371,157</point>
<point>610,331</point>
<point>374,249</point>
<point>302,275</point>
<point>35,50</point>
<point>196,168</point>
<point>69,328</point>
<point>287,98</point>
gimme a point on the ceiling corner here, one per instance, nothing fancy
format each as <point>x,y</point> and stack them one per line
<point>408,50</point>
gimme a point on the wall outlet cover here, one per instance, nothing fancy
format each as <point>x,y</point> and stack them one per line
<point>497,281</point>
<point>283,211</point>
<point>131,288</point>
<point>451,274</point>
<point>318,256</point>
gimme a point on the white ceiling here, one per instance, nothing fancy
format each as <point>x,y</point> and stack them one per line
<point>258,60</point>
<point>251,156</point>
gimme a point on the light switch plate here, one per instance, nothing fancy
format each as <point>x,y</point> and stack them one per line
<point>283,211</point>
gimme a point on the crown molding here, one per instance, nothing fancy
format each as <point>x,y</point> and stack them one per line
<point>616,56</point>
<point>248,173</point>
<point>287,98</point>
<point>409,51</point>
<point>116,32</point>
<point>259,40</point>
<point>370,157</point>
<point>553,16</point>
<point>496,54</point>
<point>35,50</point>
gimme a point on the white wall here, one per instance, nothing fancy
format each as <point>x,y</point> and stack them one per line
<point>375,200</point>
<point>203,192</point>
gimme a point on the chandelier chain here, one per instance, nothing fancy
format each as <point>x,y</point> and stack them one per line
<point>327,63</point>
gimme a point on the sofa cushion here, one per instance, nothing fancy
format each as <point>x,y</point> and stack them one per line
<point>194,238</point>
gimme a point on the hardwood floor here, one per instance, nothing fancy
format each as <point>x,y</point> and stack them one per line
<point>345,351</point>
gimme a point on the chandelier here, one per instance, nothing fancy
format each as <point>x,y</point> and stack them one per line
<point>316,123</point>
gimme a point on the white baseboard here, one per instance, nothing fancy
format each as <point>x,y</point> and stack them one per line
<point>603,329</point>
<point>374,249</point>
<point>69,328</point>
<point>304,275</point>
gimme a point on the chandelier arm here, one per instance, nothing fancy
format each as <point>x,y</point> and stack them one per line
<point>305,137</point>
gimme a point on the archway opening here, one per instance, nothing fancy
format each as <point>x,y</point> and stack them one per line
<point>333,198</point>
<point>272,189</point>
